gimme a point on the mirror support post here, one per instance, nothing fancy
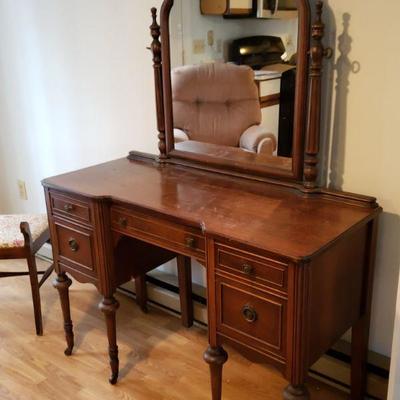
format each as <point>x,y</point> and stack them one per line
<point>157,62</point>
<point>317,54</point>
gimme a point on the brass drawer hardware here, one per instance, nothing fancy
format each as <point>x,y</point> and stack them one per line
<point>248,269</point>
<point>123,222</point>
<point>68,207</point>
<point>249,314</point>
<point>73,245</point>
<point>190,242</point>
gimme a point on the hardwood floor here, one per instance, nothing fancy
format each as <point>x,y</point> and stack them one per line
<point>159,359</point>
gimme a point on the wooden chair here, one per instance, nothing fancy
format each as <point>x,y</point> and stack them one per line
<point>20,240</point>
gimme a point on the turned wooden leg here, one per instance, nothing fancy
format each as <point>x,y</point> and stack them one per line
<point>185,290</point>
<point>109,306</point>
<point>62,284</point>
<point>141,292</point>
<point>216,357</point>
<point>296,392</point>
<point>33,275</point>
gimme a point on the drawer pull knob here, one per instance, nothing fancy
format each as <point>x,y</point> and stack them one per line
<point>68,207</point>
<point>190,242</point>
<point>73,245</point>
<point>249,314</point>
<point>123,222</point>
<point>248,269</point>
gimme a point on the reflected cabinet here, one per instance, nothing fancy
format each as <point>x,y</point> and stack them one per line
<point>289,263</point>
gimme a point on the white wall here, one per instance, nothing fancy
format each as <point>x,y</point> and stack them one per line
<point>362,119</point>
<point>76,89</point>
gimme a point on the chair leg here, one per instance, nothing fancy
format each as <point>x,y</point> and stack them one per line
<point>185,289</point>
<point>35,294</point>
<point>141,292</point>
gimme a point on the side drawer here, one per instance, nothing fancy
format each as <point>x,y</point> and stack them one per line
<point>158,231</point>
<point>69,207</point>
<point>255,268</point>
<point>252,317</point>
<point>75,248</point>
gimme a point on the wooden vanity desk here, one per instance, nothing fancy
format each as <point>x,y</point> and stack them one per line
<point>287,274</point>
<point>289,263</point>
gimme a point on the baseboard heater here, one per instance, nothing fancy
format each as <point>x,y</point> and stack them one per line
<point>333,368</point>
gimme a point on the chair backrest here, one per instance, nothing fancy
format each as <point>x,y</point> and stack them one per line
<point>215,103</point>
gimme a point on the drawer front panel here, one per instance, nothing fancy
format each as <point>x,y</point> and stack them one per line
<point>75,248</point>
<point>157,231</point>
<point>254,268</point>
<point>68,207</point>
<point>251,317</point>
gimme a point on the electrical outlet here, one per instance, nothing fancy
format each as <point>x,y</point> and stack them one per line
<point>22,190</point>
<point>199,46</point>
<point>210,38</point>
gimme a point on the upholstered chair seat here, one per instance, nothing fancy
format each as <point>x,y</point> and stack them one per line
<point>219,103</point>
<point>10,232</point>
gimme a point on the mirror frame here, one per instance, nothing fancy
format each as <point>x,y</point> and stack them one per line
<point>302,108</point>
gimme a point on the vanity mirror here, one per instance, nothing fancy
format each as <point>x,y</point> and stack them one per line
<point>232,88</point>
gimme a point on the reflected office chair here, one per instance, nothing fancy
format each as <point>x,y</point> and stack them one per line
<point>219,103</point>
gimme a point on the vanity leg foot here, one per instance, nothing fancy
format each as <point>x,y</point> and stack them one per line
<point>109,306</point>
<point>216,357</point>
<point>62,284</point>
<point>296,392</point>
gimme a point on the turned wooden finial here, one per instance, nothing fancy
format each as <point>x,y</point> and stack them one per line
<point>157,62</point>
<point>317,54</point>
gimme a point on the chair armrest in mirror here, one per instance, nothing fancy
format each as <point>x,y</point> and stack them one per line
<point>257,140</point>
<point>180,135</point>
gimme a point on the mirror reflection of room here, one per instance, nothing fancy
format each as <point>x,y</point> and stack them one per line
<point>234,74</point>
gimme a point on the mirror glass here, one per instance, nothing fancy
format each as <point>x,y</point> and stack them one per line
<point>233,75</point>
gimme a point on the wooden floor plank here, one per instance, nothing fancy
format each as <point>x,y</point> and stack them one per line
<point>159,359</point>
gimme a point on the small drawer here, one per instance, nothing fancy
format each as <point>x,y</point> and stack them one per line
<point>154,230</point>
<point>75,248</point>
<point>68,207</point>
<point>251,317</point>
<point>265,271</point>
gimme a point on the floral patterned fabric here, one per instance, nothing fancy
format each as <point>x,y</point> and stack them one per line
<point>10,233</point>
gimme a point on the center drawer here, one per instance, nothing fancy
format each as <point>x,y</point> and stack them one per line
<point>158,231</point>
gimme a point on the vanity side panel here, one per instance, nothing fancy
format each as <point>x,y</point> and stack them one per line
<point>336,288</point>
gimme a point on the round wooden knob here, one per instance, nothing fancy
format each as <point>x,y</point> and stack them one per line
<point>68,207</point>
<point>73,244</point>
<point>249,314</point>
<point>123,222</point>
<point>190,242</point>
<point>248,269</point>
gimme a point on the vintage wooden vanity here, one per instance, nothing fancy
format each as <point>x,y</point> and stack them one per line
<point>289,264</point>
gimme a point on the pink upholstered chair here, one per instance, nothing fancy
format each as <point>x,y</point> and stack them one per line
<point>21,236</point>
<point>219,103</point>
